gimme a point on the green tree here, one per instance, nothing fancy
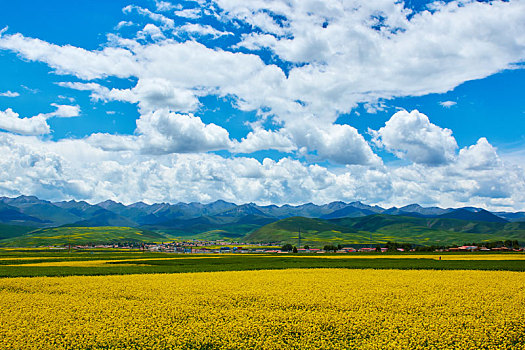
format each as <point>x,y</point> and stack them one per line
<point>287,247</point>
<point>330,247</point>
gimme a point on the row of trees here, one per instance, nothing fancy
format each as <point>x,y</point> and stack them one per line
<point>511,244</point>
<point>332,247</point>
<point>394,246</point>
<point>290,248</point>
<point>391,246</point>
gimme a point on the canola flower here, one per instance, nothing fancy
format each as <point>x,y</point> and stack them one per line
<point>99,263</point>
<point>285,309</point>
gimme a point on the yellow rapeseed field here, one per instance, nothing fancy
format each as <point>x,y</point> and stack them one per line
<point>85,262</point>
<point>287,309</point>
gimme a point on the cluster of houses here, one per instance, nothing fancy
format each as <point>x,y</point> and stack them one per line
<point>243,249</point>
<point>217,247</point>
<point>472,248</point>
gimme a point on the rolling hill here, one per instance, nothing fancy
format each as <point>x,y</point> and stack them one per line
<point>374,229</point>
<point>354,222</point>
<point>11,231</point>
<point>60,236</point>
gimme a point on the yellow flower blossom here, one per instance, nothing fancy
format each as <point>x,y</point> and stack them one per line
<point>283,309</point>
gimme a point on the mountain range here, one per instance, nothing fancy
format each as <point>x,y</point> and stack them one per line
<point>34,212</point>
<point>349,222</point>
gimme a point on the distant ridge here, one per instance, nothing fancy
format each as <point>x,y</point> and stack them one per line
<point>348,212</point>
<point>32,211</point>
<point>104,217</point>
<point>464,214</point>
<point>331,222</point>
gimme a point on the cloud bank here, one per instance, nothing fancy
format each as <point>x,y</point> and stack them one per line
<point>296,66</point>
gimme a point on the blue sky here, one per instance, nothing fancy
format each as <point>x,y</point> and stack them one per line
<point>277,102</point>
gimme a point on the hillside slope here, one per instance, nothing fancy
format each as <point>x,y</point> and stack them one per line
<point>11,231</point>
<point>381,228</point>
<point>82,235</point>
<point>287,230</point>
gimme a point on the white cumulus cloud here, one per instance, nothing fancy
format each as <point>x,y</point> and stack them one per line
<point>9,94</point>
<point>447,104</point>
<point>72,60</point>
<point>64,111</point>
<point>479,156</point>
<point>338,143</point>
<point>202,30</point>
<point>165,21</point>
<point>151,31</point>
<point>261,139</point>
<point>37,125</point>
<point>68,169</point>
<point>336,54</point>
<point>341,55</point>
<point>165,132</point>
<point>164,5</point>
<point>11,121</point>
<point>412,136</point>
<point>123,24</point>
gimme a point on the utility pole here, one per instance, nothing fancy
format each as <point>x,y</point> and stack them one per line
<point>299,240</point>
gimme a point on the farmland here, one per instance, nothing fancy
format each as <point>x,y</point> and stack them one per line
<point>286,309</point>
<point>33,263</point>
<point>265,174</point>
<point>124,299</point>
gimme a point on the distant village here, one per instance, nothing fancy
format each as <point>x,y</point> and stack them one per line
<point>218,247</point>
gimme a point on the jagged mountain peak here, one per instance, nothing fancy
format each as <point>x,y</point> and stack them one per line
<point>139,205</point>
<point>140,213</point>
<point>411,207</point>
<point>23,200</point>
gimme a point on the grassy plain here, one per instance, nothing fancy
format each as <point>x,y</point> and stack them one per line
<point>285,309</point>
<point>39,262</point>
<point>123,299</point>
